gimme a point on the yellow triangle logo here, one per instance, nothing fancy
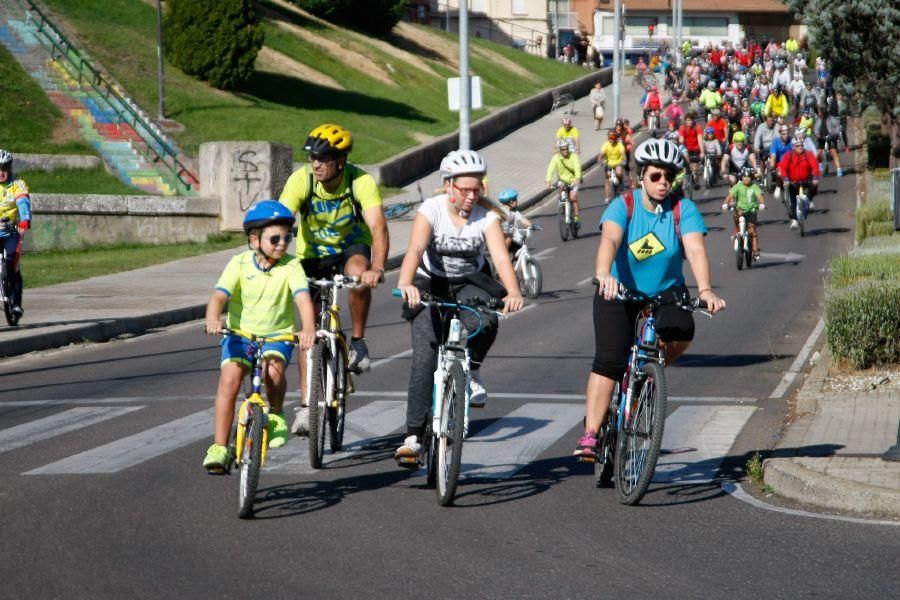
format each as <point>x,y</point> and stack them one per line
<point>646,247</point>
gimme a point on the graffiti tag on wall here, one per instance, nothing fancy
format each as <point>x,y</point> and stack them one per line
<point>248,177</point>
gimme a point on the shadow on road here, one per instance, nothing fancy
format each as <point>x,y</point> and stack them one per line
<point>729,360</point>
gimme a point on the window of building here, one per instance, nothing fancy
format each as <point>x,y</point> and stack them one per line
<point>479,6</point>
<point>705,26</point>
<point>520,7</point>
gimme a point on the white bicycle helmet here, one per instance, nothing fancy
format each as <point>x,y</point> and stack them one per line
<point>462,162</point>
<point>5,157</point>
<point>659,153</point>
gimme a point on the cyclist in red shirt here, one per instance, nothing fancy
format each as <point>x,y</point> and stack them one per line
<point>799,168</point>
<point>652,103</point>
<point>719,125</point>
<point>689,136</point>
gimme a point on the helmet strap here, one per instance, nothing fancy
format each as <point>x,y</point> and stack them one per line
<point>259,252</point>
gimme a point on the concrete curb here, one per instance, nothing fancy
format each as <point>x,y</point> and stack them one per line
<point>808,396</point>
<point>100,330</point>
<point>792,480</point>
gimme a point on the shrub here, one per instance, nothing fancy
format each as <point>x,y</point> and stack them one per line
<point>870,213</point>
<point>879,228</point>
<point>862,322</point>
<point>847,270</point>
<point>213,40</point>
<point>377,17</point>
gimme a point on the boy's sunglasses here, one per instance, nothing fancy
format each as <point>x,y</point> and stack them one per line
<point>276,239</point>
<point>655,177</point>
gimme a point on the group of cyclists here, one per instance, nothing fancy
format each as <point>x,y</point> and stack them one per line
<point>743,114</point>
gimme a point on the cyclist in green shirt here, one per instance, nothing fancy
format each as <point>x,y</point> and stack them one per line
<point>261,287</point>
<point>567,167</point>
<point>746,197</point>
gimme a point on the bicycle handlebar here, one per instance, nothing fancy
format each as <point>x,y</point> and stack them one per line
<point>628,295</point>
<point>341,281</point>
<point>490,304</point>
<point>252,337</point>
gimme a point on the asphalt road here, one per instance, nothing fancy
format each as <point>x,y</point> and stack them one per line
<point>104,495</point>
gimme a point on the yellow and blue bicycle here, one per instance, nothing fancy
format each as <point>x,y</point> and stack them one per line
<point>249,436</point>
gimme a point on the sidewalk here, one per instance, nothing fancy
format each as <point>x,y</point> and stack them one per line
<point>133,302</point>
<point>830,457</point>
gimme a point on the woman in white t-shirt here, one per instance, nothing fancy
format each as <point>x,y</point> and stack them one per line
<point>446,257</point>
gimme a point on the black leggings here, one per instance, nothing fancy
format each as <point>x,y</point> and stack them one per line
<point>614,330</point>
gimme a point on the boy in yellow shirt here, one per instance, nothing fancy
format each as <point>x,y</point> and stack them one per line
<point>613,155</point>
<point>261,287</point>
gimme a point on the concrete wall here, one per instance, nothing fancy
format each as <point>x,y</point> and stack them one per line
<point>63,221</point>
<point>421,160</point>
<point>52,162</point>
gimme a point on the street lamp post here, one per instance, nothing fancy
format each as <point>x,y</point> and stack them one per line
<point>465,96</point>
<point>159,60</point>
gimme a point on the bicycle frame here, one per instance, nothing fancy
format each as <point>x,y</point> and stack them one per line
<point>330,329</point>
<point>643,349</point>
<point>564,199</point>
<point>523,254</point>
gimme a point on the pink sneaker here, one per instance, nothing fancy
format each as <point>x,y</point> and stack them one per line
<point>586,449</point>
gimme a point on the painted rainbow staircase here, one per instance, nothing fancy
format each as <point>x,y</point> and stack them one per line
<point>127,140</point>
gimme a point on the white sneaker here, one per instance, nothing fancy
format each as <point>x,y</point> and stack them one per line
<point>777,193</point>
<point>477,393</point>
<point>301,421</point>
<point>794,224</point>
<point>409,455</point>
<point>812,204</point>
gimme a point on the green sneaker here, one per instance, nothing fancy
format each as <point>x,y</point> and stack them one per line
<point>216,459</point>
<point>278,430</point>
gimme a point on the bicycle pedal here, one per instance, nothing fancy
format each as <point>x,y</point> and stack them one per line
<point>587,459</point>
<point>409,462</point>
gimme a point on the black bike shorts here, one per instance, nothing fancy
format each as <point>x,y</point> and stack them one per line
<point>325,266</point>
<point>614,332</point>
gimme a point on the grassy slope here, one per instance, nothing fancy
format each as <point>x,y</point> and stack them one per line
<point>120,34</point>
<point>28,116</point>
<point>77,181</point>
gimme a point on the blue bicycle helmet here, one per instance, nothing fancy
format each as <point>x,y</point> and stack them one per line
<point>508,195</point>
<point>267,212</point>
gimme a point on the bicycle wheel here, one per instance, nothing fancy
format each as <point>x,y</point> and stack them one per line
<point>563,226</point>
<point>450,438</point>
<point>739,253</point>
<point>318,415</point>
<point>336,413</point>
<point>748,252</point>
<point>638,443</point>
<point>801,219</point>
<point>251,460</point>
<point>535,280</point>
<point>6,282</point>
<point>430,442</point>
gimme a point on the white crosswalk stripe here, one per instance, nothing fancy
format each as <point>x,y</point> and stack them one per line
<point>701,434</point>
<point>135,449</point>
<point>58,424</point>
<point>705,434</point>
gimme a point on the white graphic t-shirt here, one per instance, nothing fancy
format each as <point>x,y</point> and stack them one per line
<point>454,251</point>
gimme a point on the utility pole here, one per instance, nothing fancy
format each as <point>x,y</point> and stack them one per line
<point>617,64</point>
<point>465,90</point>
<point>556,47</point>
<point>159,61</point>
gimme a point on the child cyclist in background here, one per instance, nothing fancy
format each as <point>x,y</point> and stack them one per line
<point>746,197</point>
<point>261,287</point>
<point>514,219</point>
<point>15,205</point>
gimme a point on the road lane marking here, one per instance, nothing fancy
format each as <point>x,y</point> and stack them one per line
<point>543,253</point>
<point>797,365</point>
<point>391,358</point>
<point>58,424</point>
<point>704,435</point>
<point>363,426</point>
<point>584,282</point>
<point>510,443</point>
<point>574,397</point>
<point>134,449</point>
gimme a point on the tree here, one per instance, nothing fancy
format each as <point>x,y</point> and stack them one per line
<point>213,40</point>
<point>377,17</point>
<point>861,41</point>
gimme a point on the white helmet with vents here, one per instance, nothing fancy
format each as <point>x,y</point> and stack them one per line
<point>6,158</point>
<point>659,153</point>
<point>462,162</point>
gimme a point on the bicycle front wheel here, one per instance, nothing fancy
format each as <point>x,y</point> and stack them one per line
<point>450,438</point>
<point>563,225</point>
<point>251,461</point>
<point>603,466</point>
<point>337,409</point>
<point>317,367</point>
<point>639,441</point>
<point>534,279</point>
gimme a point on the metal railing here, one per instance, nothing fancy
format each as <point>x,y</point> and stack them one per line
<point>157,148</point>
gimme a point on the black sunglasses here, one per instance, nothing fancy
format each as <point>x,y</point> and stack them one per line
<point>655,177</point>
<point>276,239</point>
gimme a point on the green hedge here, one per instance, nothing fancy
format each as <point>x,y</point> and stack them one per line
<point>863,321</point>
<point>847,270</point>
<point>377,17</point>
<point>874,218</point>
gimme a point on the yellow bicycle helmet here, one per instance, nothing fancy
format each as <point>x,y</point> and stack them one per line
<point>329,138</point>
